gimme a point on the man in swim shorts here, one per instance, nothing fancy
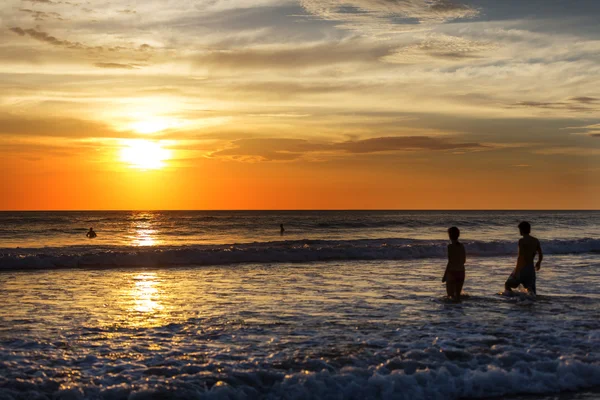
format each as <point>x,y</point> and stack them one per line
<point>524,273</point>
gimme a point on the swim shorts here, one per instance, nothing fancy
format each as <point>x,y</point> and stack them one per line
<point>525,277</point>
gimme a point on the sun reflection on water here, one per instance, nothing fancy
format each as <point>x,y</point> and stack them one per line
<point>143,230</point>
<point>146,294</point>
<point>145,237</point>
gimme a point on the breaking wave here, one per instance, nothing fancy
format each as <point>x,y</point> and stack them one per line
<point>265,252</point>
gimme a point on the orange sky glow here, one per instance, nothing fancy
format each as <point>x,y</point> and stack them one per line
<point>281,104</point>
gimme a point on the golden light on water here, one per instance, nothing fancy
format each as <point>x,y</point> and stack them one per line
<point>145,293</point>
<point>144,154</point>
<point>142,231</point>
<point>143,299</point>
<point>145,237</point>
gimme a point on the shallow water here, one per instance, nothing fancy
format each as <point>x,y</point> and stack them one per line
<point>343,329</point>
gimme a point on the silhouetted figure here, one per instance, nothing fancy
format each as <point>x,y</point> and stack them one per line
<point>455,270</point>
<point>524,273</point>
<point>281,231</point>
<point>91,234</point>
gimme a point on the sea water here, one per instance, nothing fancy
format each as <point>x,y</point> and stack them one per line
<point>343,305</point>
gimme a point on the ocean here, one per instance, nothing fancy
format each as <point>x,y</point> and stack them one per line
<point>343,305</point>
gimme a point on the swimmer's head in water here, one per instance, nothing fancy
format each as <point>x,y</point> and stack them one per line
<point>525,228</point>
<point>454,233</point>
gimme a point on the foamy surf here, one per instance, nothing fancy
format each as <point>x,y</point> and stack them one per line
<point>345,330</point>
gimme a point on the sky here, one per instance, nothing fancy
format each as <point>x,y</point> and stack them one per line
<point>299,104</point>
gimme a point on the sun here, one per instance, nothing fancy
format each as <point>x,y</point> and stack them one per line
<point>144,154</point>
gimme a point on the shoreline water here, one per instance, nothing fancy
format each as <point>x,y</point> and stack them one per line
<point>351,329</point>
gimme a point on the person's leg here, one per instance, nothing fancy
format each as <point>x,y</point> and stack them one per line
<point>449,287</point>
<point>459,286</point>
<point>528,278</point>
<point>511,283</point>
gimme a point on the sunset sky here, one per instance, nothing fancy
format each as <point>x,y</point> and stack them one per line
<point>310,104</point>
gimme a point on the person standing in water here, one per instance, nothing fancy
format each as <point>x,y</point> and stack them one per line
<point>91,234</point>
<point>281,231</point>
<point>455,270</point>
<point>524,272</point>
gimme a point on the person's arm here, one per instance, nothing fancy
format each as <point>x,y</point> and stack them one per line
<point>538,265</point>
<point>445,277</point>
<point>464,255</point>
<point>519,263</point>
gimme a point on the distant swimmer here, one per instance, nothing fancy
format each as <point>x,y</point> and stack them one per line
<point>455,270</point>
<point>524,272</point>
<point>281,230</point>
<point>91,234</point>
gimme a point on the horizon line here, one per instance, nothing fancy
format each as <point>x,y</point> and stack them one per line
<point>301,209</point>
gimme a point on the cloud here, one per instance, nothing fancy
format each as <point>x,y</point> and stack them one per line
<point>353,50</point>
<point>268,149</point>
<point>41,15</point>
<point>25,148</point>
<point>47,38</point>
<point>14,125</point>
<point>568,151</point>
<point>442,47</point>
<point>281,149</point>
<point>576,104</point>
<point>387,16</point>
<point>129,56</point>
<point>404,143</point>
<point>585,99</point>
<point>110,65</point>
<point>41,1</point>
<point>297,56</point>
<point>590,130</point>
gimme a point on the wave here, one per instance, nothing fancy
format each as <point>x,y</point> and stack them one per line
<point>394,379</point>
<point>266,252</point>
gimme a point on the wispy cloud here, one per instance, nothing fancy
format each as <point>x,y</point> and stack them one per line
<point>41,1</point>
<point>294,57</point>
<point>47,38</point>
<point>283,149</point>
<point>109,65</point>
<point>56,127</point>
<point>405,143</point>
<point>590,130</point>
<point>577,104</point>
<point>585,100</point>
<point>442,47</point>
<point>41,15</point>
<point>387,16</point>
